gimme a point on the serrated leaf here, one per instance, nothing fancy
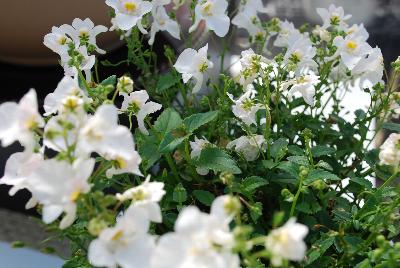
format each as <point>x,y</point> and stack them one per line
<point>169,143</point>
<point>298,159</point>
<point>279,148</point>
<point>166,81</point>
<point>195,121</point>
<point>168,121</point>
<point>250,184</point>
<point>391,126</point>
<point>324,165</point>
<point>289,167</point>
<point>319,174</point>
<point>205,197</point>
<point>319,248</point>
<point>269,164</point>
<point>321,150</point>
<point>217,160</point>
<point>363,182</point>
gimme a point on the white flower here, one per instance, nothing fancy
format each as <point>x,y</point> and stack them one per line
<point>146,196</point>
<point>129,13</point>
<point>19,167</point>
<point>322,33</point>
<point>102,134</point>
<point>287,242</point>
<point>247,18</point>
<point>250,147</point>
<point>18,121</point>
<point>199,240</point>
<point>197,146</point>
<point>370,69</point>
<point>225,208</point>
<point>57,40</point>
<point>57,185</point>
<point>305,85</point>
<point>213,13</point>
<point>162,22</point>
<point>84,32</point>
<point>137,103</point>
<point>124,164</point>
<point>68,96</point>
<point>333,16</point>
<point>352,48</point>
<point>86,63</point>
<point>252,66</point>
<point>286,33</point>
<point>127,244</point>
<point>192,63</point>
<point>125,85</point>
<point>390,151</point>
<point>300,53</point>
<point>245,108</point>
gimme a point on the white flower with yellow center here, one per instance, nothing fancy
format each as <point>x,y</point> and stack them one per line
<point>18,121</point>
<point>199,240</point>
<point>137,103</point>
<point>245,108</point>
<point>57,40</point>
<point>286,33</point>
<point>125,85</point>
<point>57,185</point>
<point>305,85</point>
<point>197,146</point>
<point>84,32</point>
<point>370,69</point>
<point>162,22</point>
<point>250,147</point>
<point>129,13</point>
<point>252,66</point>
<point>390,151</point>
<point>247,18</point>
<point>126,245</point>
<point>300,54</point>
<point>121,165</point>
<point>146,196</point>
<point>86,63</point>
<point>213,12</point>
<point>333,16</point>
<point>192,63</point>
<point>287,242</point>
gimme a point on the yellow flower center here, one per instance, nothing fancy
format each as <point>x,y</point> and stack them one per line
<point>71,102</point>
<point>62,40</point>
<point>121,163</point>
<point>117,236</point>
<point>74,196</point>
<point>351,45</point>
<point>31,123</point>
<point>203,67</point>
<point>130,7</point>
<point>139,195</point>
<point>206,9</point>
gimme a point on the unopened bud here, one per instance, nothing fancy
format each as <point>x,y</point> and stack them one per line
<point>96,225</point>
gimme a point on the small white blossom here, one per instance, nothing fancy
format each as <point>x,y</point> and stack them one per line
<point>213,12</point>
<point>199,240</point>
<point>192,63</point>
<point>249,147</point>
<point>127,244</point>
<point>146,196</point>
<point>370,69</point>
<point>129,13</point>
<point>245,108</point>
<point>83,32</point>
<point>137,103</point>
<point>125,85</point>
<point>390,151</point>
<point>247,18</point>
<point>57,40</point>
<point>124,164</point>
<point>305,85</point>
<point>252,65</point>
<point>322,33</point>
<point>162,22</point>
<point>18,121</point>
<point>333,16</point>
<point>286,33</point>
<point>86,63</point>
<point>57,185</point>
<point>287,242</point>
<point>197,146</point>
<point>300,53</point>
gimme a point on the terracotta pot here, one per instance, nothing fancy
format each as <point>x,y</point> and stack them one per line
<point>24,23</point>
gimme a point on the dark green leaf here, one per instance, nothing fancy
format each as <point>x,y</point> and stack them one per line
<point>321,150</point>
<point>205,197</point>
<point>166,81</point>
<point>217,160</point>
<point>256,211</point>
<point>168,121</point>
<point>169,143</point>
<point>179,195</point>
<point>250,184</point>
<point>110,81</point>
<point>279,148</point>
<point>319,174</point>
<point>195,121</point>
<point>391,126</point>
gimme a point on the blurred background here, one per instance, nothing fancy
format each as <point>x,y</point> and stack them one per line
<point>26,63</point>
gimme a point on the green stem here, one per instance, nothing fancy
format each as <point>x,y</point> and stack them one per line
<point>389,181</point>
<point>296,197</point>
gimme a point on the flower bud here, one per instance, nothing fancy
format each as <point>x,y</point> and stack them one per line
<point>226,178</point>
<point>125,84</point>
<point>96,225</point>
<point>287,195</point>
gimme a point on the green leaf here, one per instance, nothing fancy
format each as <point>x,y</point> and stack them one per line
<point>217,160</point>
<point>195,121</point>
<point>149,152</point>
<point>169,143</point>
<point>269,164</point>
<point>290,167</point>
<point>319,248</point>
<point>321,150</point>
<point>391,126</point>
<point>279,148</point>
<point>168,121</point>
<point>300,160</point>
<point>179,195</point>
<point>363,182</point>
<point>256,211</point>
<point>319,174</point>
<point>166,81</point>
<point>250,184</point>
<point>205,197</point>
<point>110,81</point>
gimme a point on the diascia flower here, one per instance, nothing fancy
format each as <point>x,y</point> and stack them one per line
<point>162,22</point>
<point>370,69</point>
<point>192,63</point>
<point>305,85</point>
<point>197,146</point>
<point>286,33</point>
<point>146,196</point>
<point>287,242</point>
<point>129,13</point>
<point>199,240</point>
<point>249,147</point>
<point>18,121</point>
<point>333,16</point>
<point>57,185</point>
<point>137,103</point>
<point>245,108</point>
<point>300,54</point>
<point>390,151</point>
<point>247,17</point>
<point>83,32</point>
<point>252,66</point>
<point>127,244</point>
<point>57,40</point>
<point>213,13</point>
